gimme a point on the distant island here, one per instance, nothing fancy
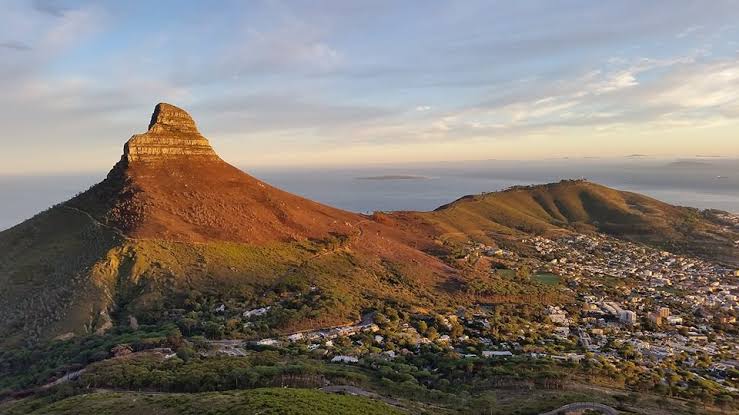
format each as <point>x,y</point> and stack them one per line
<point>394,177</point>
<point>689,163</point>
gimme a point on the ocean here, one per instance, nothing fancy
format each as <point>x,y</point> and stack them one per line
<point>701,182</point>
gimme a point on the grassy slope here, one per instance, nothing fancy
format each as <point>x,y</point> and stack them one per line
<point>256,401</point>
<point>60,270</point>
<point>45,281</point>
<point>582,206</point>
<point>164,271</point>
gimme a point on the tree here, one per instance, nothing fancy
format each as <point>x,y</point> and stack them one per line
<point>523,272</point>
<point>233,325</point>
<point>457,330</point>
<point>213,330</point>
<point>432,334</point>
<point>185,353</point>
<point>422,327</point>
<point>174,338</point>
<point>187,324</point>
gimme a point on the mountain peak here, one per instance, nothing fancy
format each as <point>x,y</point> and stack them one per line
<point>172,135</point>
<point>167,117</point>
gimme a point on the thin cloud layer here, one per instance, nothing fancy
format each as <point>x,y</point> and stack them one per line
<point>336,82</point>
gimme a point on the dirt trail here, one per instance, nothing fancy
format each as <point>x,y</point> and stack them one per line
<point>98,223</point>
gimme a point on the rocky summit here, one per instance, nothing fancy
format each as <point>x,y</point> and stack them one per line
<point>172,134</point>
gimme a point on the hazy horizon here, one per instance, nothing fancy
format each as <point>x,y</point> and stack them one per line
<point>702,183</point>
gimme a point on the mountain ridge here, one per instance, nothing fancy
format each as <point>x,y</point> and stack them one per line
<point>583,206</point>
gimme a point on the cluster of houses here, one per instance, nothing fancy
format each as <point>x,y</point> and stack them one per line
<point>682,298</point>
<point>657,304</point>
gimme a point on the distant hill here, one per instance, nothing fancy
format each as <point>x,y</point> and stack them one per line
<point>689,164</point>
<point>582,206</point>
<point>394,177</point>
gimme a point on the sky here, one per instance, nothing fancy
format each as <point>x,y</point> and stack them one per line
<point>292,83</point>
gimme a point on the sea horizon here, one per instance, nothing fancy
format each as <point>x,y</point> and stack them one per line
<point>703,183</point>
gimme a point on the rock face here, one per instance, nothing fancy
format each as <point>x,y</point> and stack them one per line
<point>172,135</point>
<point>170,184</point>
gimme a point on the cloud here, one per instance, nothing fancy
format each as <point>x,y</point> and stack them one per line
<point>15,45</point>
<point>615,82</point>
<point>287,47</point>
<point>50,7</point>
<point>371,74</point>
<point>73,26</point>
<point>258,113</point>
<point>688,32</point>
<point>655,94</point>
<point>698,87</point>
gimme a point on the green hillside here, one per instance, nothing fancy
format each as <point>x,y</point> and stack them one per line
<point>47,283</point>
<point>582,206</point>
<point>256,401</point>
<point>61,274</point>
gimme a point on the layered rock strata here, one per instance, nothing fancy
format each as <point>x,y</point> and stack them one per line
<point>172,134</point>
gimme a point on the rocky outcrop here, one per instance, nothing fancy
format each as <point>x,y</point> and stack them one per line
<point>172,135</point>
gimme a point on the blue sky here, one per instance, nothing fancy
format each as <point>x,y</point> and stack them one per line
<point>359,82</point>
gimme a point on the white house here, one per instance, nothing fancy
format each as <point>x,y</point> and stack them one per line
<point>496,353</point>
<point>256,312</point>
<point>344,359</point>
<point>267,342</point>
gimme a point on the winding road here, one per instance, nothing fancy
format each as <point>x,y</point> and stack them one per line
<point>581,406</point>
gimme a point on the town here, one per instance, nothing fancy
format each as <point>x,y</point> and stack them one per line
<point>631,308</point>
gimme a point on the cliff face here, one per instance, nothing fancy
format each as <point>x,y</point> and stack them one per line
<point>172,134</point>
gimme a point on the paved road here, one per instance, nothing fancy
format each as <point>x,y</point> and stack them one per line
<point>581,406</point>
<point>66,378</point>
